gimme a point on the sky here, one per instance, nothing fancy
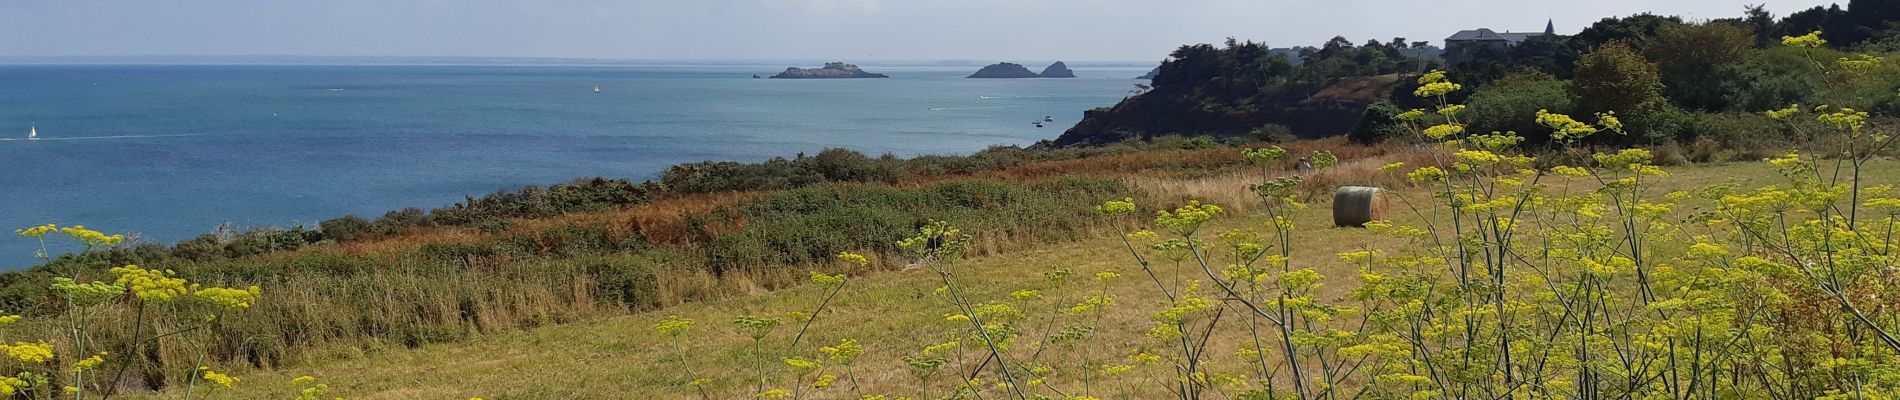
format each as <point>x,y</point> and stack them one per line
<point>851,30</point>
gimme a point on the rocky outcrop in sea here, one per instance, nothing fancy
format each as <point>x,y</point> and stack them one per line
<point>1004,70</point>
<point>1057,70</point>
<point>831,70</point>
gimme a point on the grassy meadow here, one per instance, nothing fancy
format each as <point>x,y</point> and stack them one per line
<point>891,310</point>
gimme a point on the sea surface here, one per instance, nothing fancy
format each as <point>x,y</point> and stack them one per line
<point>167,152</point>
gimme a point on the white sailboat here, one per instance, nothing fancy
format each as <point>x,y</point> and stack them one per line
<point>33,133</point>
<point>596,88</point>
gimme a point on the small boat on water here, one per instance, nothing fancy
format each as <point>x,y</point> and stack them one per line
<point>1047,118</point>
<point>33,133</point>
<point>596,88</point>
<point>1038,124</point>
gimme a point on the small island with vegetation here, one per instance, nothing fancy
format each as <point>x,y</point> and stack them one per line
<point>1009,70</point>
<point>1057,70</point>
<point>1004,70</point>
<point>831,70</point>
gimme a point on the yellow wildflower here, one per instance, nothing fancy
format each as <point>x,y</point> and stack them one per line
<point>854,258</point>
<point>1810,40</point>
<point>36,231</point>
<point>29,352</point>
<point>673,325</point>
<point>214,377</point>
<point>150,284</point>
<point>228,297</point>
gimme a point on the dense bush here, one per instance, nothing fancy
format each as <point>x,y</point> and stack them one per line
<point>1377,125</point>
<point>1511,104</point>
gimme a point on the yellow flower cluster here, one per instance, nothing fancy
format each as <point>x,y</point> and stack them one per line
<point>36,231</point>
<point>1565,128</point>
<point>1436,89</point>
<point>1186,219</point>
<point>1095,302</point>
<point>845,352</point>
<point>1845,118</point>
<point>229,297</point>
<point>1117,207</point>
<point>1451,110</point>
<point>91,237</point>
<point>86,294</point>
<point>1859,62</point>
<point>151,284</point>
<point>1410,115</point>
<point>854,258</point>
<point>1565,170</point>
<point>822,279</point>
<point>1442,131</point>
<point>673,325</point>
<point>801,365</point>
<point>1810,40</point>
<point>1784,113</point>
<point>90,362</point>
<point>1262,156</point>
<point>10,385</point>
<point>219,379</point>
<point>1426,174</point>
<point>32,353</point>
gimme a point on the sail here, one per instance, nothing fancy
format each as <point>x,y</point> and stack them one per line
<point>33,133</point>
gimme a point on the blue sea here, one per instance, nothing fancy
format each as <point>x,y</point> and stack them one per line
<point>167,152</point>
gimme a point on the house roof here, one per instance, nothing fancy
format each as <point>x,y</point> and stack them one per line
<point>1486,35</point>
<point>1476,34</point>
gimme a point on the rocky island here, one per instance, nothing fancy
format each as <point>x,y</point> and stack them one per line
<point>831,70</point>
<point>1057,70</point>
<point>1014,70</point>
<point>1004,70</point>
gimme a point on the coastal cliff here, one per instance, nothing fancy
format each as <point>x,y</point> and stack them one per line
<point>1331,111</point>
<point>832,70</point>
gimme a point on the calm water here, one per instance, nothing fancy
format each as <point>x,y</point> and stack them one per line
<point>169,152</point>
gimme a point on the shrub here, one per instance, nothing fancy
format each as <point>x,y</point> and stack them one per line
<point>1272,133</point>
<point>1511,104</point>
<point>1376,124</point>
<point>1615,78</point>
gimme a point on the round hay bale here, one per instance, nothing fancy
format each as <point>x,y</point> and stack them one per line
<point>1357,205</point>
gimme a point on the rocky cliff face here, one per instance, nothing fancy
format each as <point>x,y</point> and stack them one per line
<point>1003,70</point>
<point>834,70</point>
<point>1057,70</point>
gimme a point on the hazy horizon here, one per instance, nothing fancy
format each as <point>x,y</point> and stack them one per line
<point>1078,31</point>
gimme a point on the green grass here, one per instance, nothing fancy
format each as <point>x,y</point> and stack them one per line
<point>892,313</point>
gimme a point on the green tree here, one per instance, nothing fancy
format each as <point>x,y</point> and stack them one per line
<point>1632,28</point>
<point>1377,124</point>
<point>1511,104</point>
<point>1615,78</point>
<point>1692,61</point>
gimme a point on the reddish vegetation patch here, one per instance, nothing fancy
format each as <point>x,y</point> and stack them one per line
<point>668,220</point>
